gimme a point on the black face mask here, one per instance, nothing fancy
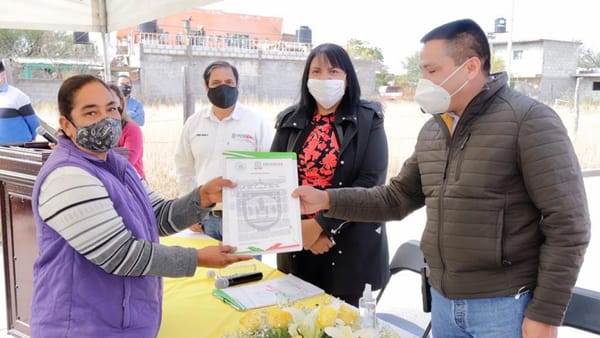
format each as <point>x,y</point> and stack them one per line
<point>126,90</point>
<point>223,96</point>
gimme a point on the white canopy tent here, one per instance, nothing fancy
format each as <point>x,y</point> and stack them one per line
<point>103,16</point>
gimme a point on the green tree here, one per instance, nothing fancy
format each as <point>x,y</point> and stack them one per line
<point>409,80</point>
<point>497,64</point>
<point>361,50</point>
<point>33,43</point>
<point>384,77</point>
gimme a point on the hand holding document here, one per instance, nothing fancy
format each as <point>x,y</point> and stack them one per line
<point>260,215</point>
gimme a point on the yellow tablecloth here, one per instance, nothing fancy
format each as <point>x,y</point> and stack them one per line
<point>190,310</point>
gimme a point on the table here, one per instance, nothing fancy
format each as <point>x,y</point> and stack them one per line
<point>190,310</point>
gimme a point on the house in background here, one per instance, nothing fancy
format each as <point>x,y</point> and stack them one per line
<point>542,68</point>
<point>589,84</point>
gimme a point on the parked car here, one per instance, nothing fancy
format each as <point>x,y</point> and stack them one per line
<point>390,92</point>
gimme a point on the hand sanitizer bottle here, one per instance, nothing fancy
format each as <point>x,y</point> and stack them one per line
<point>367,305</point>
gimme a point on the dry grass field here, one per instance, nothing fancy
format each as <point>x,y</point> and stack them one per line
<point>402,122</point>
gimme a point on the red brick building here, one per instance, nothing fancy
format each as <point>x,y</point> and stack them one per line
<point>214,23</point>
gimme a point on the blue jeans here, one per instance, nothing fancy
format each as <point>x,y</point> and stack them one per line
<point>213,226</point>
<point>500,317</point>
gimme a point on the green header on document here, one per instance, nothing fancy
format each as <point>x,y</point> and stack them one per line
<point>258,154</point>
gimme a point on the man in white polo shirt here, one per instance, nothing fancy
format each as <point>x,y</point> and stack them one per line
<point>225,125</point>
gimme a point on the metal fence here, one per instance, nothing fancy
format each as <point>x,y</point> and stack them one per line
<point>207,44</point>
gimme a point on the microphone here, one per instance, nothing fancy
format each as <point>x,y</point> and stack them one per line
<point>224,282</point>
<point>45,134</point>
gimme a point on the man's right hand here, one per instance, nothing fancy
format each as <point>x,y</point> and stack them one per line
<point>311,199</point>
<point>219,256</point>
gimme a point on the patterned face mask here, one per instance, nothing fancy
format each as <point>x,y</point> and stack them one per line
<point>101,136</point>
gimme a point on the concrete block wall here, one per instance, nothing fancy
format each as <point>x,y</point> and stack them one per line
<point>39,90</point>
<point>269,79</point>
<point>162,77</point>
<point>560,58</point>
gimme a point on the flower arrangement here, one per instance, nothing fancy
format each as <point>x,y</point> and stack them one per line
<point>334,319</point>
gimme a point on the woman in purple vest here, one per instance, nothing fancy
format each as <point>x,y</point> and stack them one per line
<point>100,264</point>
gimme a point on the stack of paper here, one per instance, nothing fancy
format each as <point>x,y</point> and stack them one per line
<point>281,290</point>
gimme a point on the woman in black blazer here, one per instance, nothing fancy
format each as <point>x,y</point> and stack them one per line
<point>340,142</point>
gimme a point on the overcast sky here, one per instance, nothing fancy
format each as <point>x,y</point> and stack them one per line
<point>397,31</point>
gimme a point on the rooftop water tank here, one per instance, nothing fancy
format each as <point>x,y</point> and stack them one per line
<point>81,37</point>
<point>500,25</point>
<point>304,34</point>
<point>148,27</point>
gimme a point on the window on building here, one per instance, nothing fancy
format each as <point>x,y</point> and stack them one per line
<point>517,55</point>
<point>596,85</point>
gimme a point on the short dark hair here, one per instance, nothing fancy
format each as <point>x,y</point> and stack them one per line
<point>465,39</point>
<point>1,66</point>
<point>69,88</point>
<point>339,58</point>
<point>220,64</point>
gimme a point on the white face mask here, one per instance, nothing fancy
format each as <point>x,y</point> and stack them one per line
<point>326,92</point>
<point>433,98</point>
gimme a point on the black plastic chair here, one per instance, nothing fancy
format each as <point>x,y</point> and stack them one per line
<point>408,256</point>
<point>583,312</point>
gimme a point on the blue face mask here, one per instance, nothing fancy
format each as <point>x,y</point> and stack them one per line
<point>101,136</point>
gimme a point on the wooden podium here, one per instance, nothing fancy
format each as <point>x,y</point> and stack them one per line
<point>18,170</point>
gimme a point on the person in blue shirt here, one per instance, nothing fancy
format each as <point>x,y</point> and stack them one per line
<point>17,117</point>
<point>134,108</point>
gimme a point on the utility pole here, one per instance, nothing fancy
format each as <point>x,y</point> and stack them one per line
<point>509,53</point>
<point>189,99</point>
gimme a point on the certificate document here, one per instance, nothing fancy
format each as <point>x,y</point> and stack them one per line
<point>260,215</point>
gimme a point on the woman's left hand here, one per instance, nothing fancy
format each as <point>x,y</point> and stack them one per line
<point>310,232</point>
<point>219,256</point>
<point>212,191</point>
<point>322,245</point>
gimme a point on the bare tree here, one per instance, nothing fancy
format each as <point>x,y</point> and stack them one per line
<point>589,59</point>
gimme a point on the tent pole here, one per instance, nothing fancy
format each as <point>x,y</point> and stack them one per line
<point>107,77</point>
<point>104,32</point>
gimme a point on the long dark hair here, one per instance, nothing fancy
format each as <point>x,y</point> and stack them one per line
<point>339,58</point>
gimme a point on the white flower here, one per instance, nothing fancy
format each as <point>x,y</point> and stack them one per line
<point>303,323</point>
<point>346,332</point>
